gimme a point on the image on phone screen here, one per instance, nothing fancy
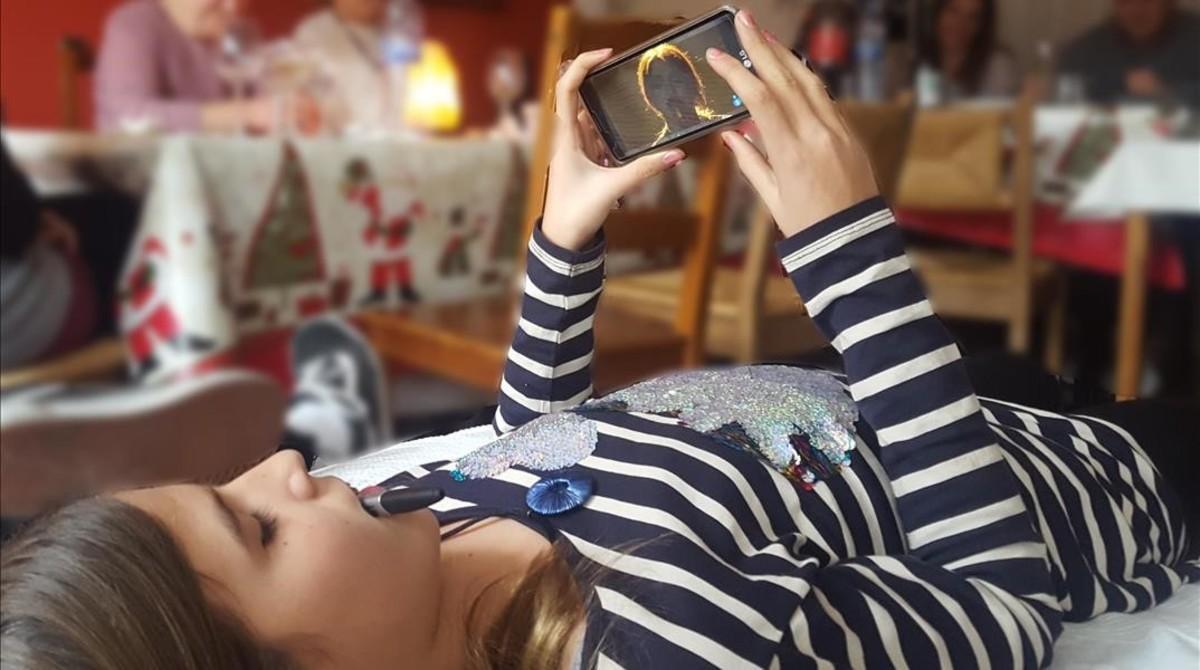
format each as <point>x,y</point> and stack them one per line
<point>665,92</point>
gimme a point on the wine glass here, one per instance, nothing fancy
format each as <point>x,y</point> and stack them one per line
<point>239,58</point>
<point>507,80</point>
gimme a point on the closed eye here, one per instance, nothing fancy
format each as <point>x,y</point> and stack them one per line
<point>268,525</point>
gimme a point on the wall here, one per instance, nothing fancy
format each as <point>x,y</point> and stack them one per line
<point>30,31</point>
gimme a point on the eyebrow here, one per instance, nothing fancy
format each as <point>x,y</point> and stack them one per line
<point>228,517</point>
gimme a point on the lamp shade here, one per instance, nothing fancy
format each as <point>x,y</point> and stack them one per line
<point>433,100</point>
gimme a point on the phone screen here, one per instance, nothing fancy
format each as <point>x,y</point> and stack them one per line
<point>666,92</point>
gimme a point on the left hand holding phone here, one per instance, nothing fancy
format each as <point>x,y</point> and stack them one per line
<point>582,189</point>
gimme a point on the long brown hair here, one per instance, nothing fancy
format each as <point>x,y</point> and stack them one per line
<point>102,584</point>
<point>979,53</point>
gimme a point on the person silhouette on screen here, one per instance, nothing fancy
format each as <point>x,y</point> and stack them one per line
<point>672,89</point>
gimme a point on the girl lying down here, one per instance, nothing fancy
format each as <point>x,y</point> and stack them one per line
<point>760,517</point>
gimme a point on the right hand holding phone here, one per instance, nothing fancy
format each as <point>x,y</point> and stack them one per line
<point>581,190</point>
<point>809,165</point>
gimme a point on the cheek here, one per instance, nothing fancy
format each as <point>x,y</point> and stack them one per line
<point>356,577</point>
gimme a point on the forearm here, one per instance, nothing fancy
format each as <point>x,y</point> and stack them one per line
<point>549,364</point>
<point>907,377</point>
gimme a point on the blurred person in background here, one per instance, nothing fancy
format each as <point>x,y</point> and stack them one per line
<point>1147,50</point>
<point>345,38</point>
<point>962,46</point>
<point>158,69</point>
<point>47,303</point>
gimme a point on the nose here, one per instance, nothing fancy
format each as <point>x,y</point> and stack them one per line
<point>287,468</point>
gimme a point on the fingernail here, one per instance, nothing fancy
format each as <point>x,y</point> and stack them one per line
<point>673,157</point>
<point>725,141</point>
<point>745,18</point>
<point>771,37</point>
<point>714,53</point>
<point>600,52</point>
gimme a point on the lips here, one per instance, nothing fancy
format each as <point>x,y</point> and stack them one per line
<point>366,493</point>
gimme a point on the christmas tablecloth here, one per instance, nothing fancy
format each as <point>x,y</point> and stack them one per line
<point>243,236</point>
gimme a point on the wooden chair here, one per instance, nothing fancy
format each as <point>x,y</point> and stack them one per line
<point>468,342</point>
<point>75,60</point>
<point>754,313</point>
<point>956,163</point>
<point>103,359</point>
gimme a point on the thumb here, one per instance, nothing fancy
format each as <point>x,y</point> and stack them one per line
<point>646,167</point>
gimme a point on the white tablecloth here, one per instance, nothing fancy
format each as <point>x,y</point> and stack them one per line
<point>69,163</point>
<point>1149,176</point>
<point>1144,172</point>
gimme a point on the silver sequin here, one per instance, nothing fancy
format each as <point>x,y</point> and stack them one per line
<point>801,422</point>
<point>768,404</point>
<point>550,442</point>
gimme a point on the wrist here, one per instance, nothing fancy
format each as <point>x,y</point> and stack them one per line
<point>565,237</point>
<point>585,252</point>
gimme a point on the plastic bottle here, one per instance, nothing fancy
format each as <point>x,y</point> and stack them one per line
<point>400,48</point>
<point>869,51</point>
<point>929,85</point>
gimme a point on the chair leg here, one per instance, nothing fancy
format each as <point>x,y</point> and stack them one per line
<point>753,283</point>
<point>1056,326</point>
<point>1018,333</point>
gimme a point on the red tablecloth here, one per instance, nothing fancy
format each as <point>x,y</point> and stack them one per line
<point>1096,245</point>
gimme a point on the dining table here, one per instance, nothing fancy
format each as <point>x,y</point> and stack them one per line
<point>1103,177</point>
<point>241,237</point>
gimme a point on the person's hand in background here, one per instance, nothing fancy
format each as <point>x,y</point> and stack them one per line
<point>582,189</point>
<point>1144,83</point>
<point>807,165</point>
<point>260,115</point>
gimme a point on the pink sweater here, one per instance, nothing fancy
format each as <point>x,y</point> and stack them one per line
<point>148,71</point>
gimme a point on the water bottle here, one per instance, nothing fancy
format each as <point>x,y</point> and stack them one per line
<point>929,85</point>
<point>400,46</point>
<point>869,52</point>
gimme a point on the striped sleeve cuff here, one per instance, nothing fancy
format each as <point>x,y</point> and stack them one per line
<point>818,241</point>
<point>564,261</point>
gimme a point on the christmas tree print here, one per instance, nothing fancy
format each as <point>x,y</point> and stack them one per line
<point>286,249</point>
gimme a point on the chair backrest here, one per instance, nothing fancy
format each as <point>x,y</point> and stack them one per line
<point>75,60</point>
<point>884,130</point>
<point>957,161</point>
<point>692,231</point>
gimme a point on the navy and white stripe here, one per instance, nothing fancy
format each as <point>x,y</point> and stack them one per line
<point>963,534</point>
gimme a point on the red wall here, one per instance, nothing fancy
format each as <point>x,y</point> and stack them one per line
<point>30,30</point>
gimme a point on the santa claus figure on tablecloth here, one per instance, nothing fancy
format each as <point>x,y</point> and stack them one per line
<point>386,239</point>
<point>146,317</point>
<point>455,260</point>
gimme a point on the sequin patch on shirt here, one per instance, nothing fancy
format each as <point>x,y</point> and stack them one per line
<point>550,442</point>
<point>801,422</point>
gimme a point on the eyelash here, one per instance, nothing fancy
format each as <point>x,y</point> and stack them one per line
<point>268,526</point>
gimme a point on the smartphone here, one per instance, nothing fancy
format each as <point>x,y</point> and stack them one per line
<point>663,92</point>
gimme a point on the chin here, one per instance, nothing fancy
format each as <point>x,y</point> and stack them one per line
<point>422,522</point>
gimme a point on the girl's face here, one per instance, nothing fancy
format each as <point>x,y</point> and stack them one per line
<point>203,19</point>
<point>298,560</point>
<point>959,23</point>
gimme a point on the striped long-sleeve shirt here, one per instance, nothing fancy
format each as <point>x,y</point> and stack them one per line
<point>962,534</point>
